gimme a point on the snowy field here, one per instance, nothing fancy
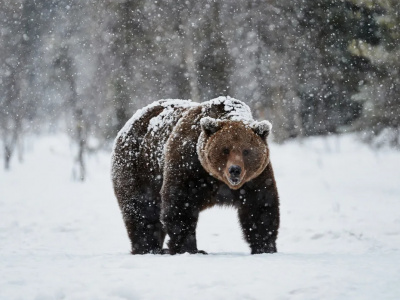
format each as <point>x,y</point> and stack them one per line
<point>339,236</point>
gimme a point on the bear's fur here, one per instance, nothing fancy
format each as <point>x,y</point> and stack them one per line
<point>175,158</point>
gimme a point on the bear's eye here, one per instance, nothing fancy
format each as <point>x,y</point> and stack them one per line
<point>246,152</point>
<point>226,151</point>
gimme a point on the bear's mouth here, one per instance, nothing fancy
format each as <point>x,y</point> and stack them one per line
<point>235,181</point>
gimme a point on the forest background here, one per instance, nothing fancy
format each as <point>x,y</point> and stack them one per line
<point>311,67</point>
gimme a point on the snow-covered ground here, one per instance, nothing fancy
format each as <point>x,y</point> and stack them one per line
<point>339,236</point>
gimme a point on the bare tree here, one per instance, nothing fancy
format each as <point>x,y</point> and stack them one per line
<point>19,40</point>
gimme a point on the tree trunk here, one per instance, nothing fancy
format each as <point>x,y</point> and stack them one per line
<point>189,57</point>
<point>7,157</point>
<point>81,151</point>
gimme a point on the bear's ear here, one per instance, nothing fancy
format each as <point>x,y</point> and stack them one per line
<point>262,128</point>
<point>210,125</point>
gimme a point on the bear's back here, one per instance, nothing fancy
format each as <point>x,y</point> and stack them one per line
<point>139,145</point>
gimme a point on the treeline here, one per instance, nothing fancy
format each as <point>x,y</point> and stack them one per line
<point>311,67</point>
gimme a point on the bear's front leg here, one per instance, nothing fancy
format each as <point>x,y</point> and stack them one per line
<point>179,216</point>
<point>260,228</point>
<point>259,218</point>
<point>180,222</point>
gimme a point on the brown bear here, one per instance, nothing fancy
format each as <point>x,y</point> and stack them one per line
<point>175,158</point>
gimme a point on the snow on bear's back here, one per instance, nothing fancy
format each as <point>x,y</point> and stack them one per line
<point>157,121</point>
<point>173,110</point>
<point>154,120</point>
<point>234,110</point>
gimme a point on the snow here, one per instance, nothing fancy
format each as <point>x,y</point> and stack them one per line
<point>236,110</point>
<point>155,122</point>
<point>262,127</point>
<point>339,236</point>
<point>172,110</point>
<point>209,123</point>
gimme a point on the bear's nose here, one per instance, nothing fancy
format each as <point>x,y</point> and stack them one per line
<point>235,170</point>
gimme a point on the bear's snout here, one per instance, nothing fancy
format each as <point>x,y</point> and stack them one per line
<point>235,175</point>
<point>235,171</point>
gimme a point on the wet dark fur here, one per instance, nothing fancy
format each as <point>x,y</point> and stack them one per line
<point>156,200</point>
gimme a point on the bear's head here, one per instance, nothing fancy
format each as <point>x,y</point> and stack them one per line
<point>233,151</point>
